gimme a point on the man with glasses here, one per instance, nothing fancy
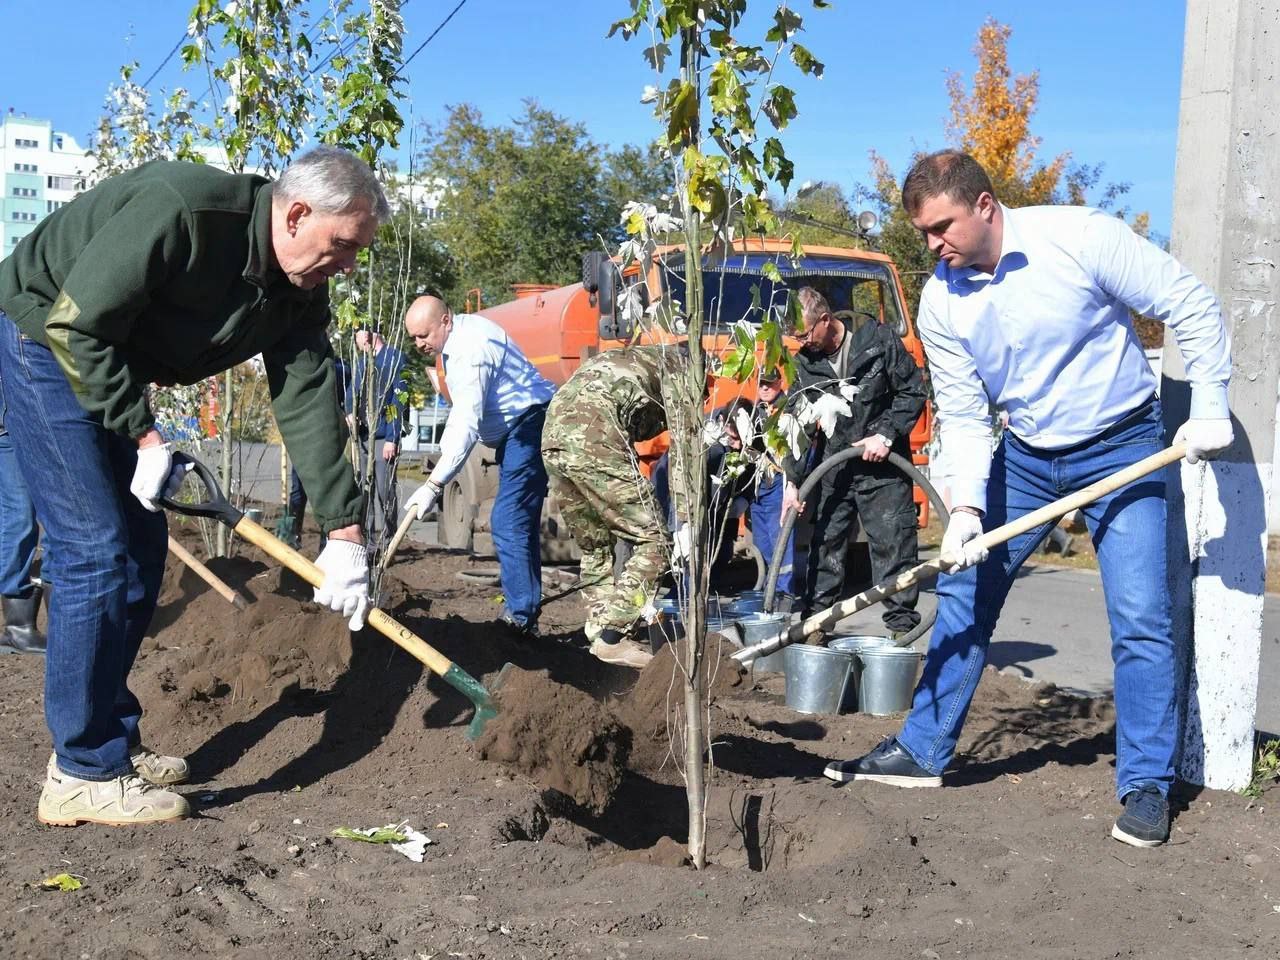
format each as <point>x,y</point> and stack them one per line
<point>865,366</point>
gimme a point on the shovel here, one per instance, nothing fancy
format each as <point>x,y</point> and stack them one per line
<point>1059,508</point>
<point>409,517</point>
<point>217,507</point>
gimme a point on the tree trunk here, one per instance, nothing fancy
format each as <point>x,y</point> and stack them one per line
<point>686,437</point>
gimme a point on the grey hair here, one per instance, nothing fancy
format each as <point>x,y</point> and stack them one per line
<point>332,180</point>
<point>812,304</point>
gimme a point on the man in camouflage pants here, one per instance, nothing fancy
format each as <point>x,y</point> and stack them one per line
<point>611,403</point>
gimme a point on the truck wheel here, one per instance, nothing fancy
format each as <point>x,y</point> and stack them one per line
<point>458,513</point>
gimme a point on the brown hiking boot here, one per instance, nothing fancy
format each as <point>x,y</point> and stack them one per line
<point>125,801</point>
<point>157,768</point>
<point>628,653</point>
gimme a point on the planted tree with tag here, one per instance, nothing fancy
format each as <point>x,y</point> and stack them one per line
<point>722,106</point>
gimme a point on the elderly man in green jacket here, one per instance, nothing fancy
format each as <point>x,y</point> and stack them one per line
<point>165,274</point>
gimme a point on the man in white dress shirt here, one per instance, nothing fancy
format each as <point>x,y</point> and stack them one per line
<point>1028,310</point>
<point>498,397</point>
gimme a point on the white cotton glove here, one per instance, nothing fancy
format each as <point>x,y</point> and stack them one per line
<point>345,588</point>
<point>1205,439</point>
<point>713,432</point>
<point>958,548</point>
<point>424,499</point>
<point>681,543</point>
<point>156,475</point>
<point>826,410</point>
<point>745,426</point>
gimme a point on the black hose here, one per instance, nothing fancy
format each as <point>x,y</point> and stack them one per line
<point>806,488</point>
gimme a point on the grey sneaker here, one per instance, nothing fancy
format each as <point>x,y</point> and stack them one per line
<point>158,769</point>
<point>1145,821</point>
<point>67,801</point>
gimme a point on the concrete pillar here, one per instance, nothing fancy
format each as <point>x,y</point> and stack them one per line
<point>1226,229</point>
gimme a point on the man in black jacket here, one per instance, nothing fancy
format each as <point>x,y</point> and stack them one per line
<point>863,363</point>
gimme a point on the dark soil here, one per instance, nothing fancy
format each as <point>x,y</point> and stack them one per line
<point>294,727</point>
<point>559,736</point>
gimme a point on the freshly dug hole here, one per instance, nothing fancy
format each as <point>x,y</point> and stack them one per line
<point>558,736</point>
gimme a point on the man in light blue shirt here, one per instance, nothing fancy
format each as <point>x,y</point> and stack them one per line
<point>1028,311</point>
<point>498,397</point>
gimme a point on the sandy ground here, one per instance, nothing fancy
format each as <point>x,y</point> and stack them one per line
<point>294,727</point>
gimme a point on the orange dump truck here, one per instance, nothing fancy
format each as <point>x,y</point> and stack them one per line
<point>559,327</point>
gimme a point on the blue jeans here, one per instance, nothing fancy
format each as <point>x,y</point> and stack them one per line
<point>1128,531</point>
<point>106,558</point>
<point>517,515</point>
<point>18,534</point>
<point>765,515</point>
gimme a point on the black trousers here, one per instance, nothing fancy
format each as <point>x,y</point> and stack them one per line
<point>881,497</point>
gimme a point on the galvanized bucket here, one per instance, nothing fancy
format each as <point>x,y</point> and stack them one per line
<point>888,679</point>
<point>757,627</point>
<point>816,678</point>
<point>854,645</point>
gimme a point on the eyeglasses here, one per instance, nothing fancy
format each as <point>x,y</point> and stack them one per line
<point>806,335</point>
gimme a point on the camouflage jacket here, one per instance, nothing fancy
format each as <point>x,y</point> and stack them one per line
<point>614,401</point>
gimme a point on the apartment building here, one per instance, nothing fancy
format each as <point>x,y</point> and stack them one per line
<point>41,169</point>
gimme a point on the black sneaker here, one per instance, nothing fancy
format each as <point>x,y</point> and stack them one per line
<point>888,763</point>
<point>1145,821</point>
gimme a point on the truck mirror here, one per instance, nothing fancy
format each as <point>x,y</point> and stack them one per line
<point>591,263</point>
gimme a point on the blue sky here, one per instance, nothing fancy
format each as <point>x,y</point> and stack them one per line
<point>1109,73</point>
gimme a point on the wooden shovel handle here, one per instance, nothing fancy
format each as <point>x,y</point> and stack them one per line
<point>1036,518</point>
<point>207,575</point>
<point>394,545</point>
<point>387,626</point>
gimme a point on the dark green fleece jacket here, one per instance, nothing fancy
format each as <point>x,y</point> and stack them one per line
<point>165,274</point>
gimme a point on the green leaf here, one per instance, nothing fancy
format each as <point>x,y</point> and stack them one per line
<point>706,192</point>
<point>795,314</point>
<point>770,271</point>
<point>780,107</point>
<point>776,164</point>
<point>771,336</point>
<point>64,882</point>
<point>806,61</point>
<point>657,55</point>
<point>788,366</point>
<point>725,89</point>
<point>684,113</point>
<point>821,4</point>
<point>379,835</point>
<point>785,23</point>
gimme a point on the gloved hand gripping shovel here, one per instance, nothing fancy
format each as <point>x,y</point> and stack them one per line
<point>217,507</point>
<point>818,622</point>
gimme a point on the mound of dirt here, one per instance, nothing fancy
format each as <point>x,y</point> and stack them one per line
<point>557,735</point>
<point>650,704</point>
<point>209,663</point>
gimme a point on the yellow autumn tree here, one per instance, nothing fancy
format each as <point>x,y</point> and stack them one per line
<point>992,122</point>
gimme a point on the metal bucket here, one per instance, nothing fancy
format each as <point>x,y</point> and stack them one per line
<point>755,627</point>
<point>888,679</point>
<point>854,645</point>
<point>762,626</point>
<point>816,678</point>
